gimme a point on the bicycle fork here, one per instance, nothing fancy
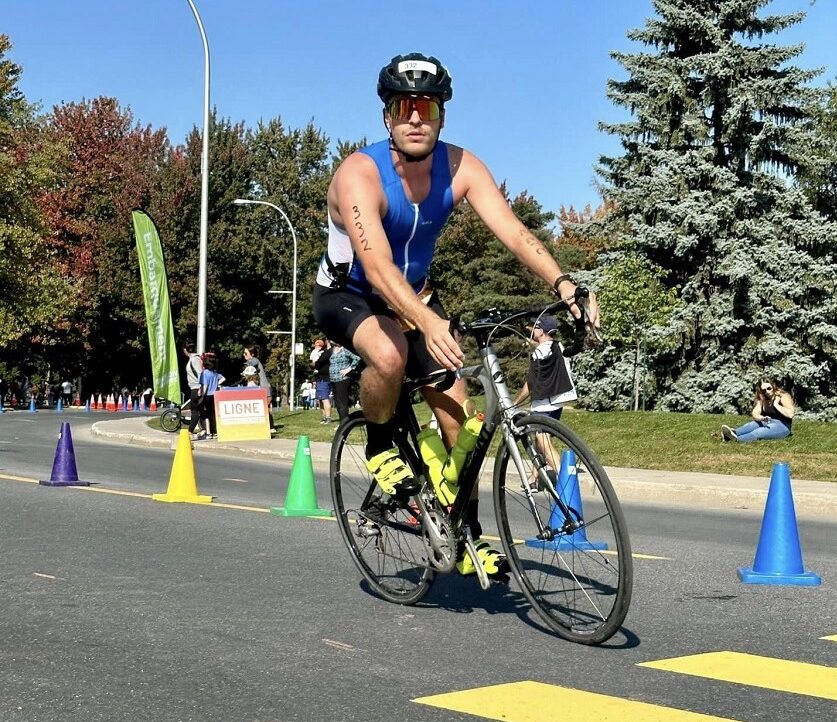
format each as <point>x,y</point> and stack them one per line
<point>545,532</point>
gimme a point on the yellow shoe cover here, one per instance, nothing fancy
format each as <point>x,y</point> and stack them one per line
<point>493,562</point>
<point>391,473</point>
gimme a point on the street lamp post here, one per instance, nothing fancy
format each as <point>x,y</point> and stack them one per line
<point>247,201</point>
<point>201,340</point>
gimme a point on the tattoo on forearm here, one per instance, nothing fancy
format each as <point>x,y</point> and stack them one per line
<point>364,241</point>
<point>533,242</point>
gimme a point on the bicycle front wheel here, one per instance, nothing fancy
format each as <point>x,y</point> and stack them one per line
<point>170,420</point>
<point>567,544</point>
<point>383,534</point>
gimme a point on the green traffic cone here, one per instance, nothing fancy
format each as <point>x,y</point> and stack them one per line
<point>301,499</point>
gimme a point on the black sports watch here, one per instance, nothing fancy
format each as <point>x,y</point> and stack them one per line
<point>561,279</point>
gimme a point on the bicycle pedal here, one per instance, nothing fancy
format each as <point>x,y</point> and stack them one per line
<point>499,578</point>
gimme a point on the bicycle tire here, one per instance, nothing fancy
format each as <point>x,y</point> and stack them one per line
<point>579,582</point>
<point>383,537</point>
<point>170,420</point>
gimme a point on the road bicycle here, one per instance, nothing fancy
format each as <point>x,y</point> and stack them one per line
<point>562,529</point>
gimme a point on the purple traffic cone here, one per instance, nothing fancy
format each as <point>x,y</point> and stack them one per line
<point>778,555</point>
<point>64,472</point>
<point>569,491</point>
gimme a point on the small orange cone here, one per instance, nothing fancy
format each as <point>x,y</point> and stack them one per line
<point>101,405</point>
<point>153,406</point>
<point>183,486</point>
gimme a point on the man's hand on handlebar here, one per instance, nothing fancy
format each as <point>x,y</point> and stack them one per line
<point>581,302</point>
<point>441,344</point>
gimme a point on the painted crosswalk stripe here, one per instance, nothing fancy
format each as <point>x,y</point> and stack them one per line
<point>783,675</point>
<point>539,702</point>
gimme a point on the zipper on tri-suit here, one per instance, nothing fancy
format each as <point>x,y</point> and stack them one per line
<point>407,244</point>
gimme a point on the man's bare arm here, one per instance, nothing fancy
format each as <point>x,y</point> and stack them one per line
<point>487,200</point>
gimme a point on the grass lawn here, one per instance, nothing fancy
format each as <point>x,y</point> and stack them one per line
<point>656,440</point>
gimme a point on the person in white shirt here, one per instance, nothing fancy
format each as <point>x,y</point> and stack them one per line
<point>549,381</point>
<point>550,384</point>
<point>67,392</point>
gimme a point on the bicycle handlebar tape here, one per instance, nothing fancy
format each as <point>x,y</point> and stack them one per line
<point>778,555</point>
<point>466,440</point>
<point>301,499</point>
<point>568,490</point>
<point>435,456</point>
<point>64,472</point>
<point>183,487</point>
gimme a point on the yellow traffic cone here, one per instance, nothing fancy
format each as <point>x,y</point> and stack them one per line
<point>182,483</point>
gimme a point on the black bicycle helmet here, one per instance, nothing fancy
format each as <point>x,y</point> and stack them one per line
<point>414,73</point>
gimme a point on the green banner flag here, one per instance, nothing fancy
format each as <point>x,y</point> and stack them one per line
<point>155,291</point>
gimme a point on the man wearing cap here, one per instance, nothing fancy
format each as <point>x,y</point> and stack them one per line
<point>549,381</point>
<point>551,386</point>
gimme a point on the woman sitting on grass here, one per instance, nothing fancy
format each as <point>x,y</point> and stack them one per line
<point>772,415</point>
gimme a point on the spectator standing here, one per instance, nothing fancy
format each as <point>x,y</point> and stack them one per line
<point>146,396</point>
<point>251,358</point>
<point>340,367</point>
<point>322,384</point>
<point>67,392</point>
<point>194,367</point>
<point>305,392</point>
<point>210,380</point>
<point>550,384</point>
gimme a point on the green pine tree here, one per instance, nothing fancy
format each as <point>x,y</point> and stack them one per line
<point>704,190</point>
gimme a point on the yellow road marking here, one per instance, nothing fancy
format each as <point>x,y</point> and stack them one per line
<point>539,702</point>
<point>830,638</point>
<point>783,675</point>
<point>115,492</point>
<point>136,494</point>
<point>599,551</point>
<point>18,478</point>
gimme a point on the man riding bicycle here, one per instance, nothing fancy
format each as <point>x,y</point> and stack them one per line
<point>387,204</point>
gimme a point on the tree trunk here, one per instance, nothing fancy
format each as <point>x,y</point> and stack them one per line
<point>637,373</point>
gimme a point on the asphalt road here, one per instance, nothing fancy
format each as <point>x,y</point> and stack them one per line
<point>115,607</point>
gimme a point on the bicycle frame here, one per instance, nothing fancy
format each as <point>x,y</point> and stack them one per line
<point>500,411</point>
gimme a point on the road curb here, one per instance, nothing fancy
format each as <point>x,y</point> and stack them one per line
<point>728,497</point>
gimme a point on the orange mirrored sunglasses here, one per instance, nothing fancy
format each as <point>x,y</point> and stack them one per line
<point>402,107</point>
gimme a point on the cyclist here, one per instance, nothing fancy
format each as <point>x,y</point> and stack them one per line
<point>387,204</point>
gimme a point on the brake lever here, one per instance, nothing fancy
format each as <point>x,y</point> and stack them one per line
<point>585,332</point>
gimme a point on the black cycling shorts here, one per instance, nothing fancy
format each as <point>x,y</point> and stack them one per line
<point>339,311</point>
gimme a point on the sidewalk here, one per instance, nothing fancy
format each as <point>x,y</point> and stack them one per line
<point>686,489</point>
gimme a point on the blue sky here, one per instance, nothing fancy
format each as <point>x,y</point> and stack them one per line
<point>529,76</point>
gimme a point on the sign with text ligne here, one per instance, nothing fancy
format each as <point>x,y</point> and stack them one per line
<point>241,413</point>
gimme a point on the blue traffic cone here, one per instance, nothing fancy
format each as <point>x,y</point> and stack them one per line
<point>779,555</point>
<point>32,409</point>
<point>87,406</point>
<point>64,472</point>
<point>2,410</point>
<point>568,490</point>
<point>59,407</point>
<point>136,405</point>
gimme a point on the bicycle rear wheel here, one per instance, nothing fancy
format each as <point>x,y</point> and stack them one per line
<point>170,420</point>
<point>576,567</point>
<point>383,534</point>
